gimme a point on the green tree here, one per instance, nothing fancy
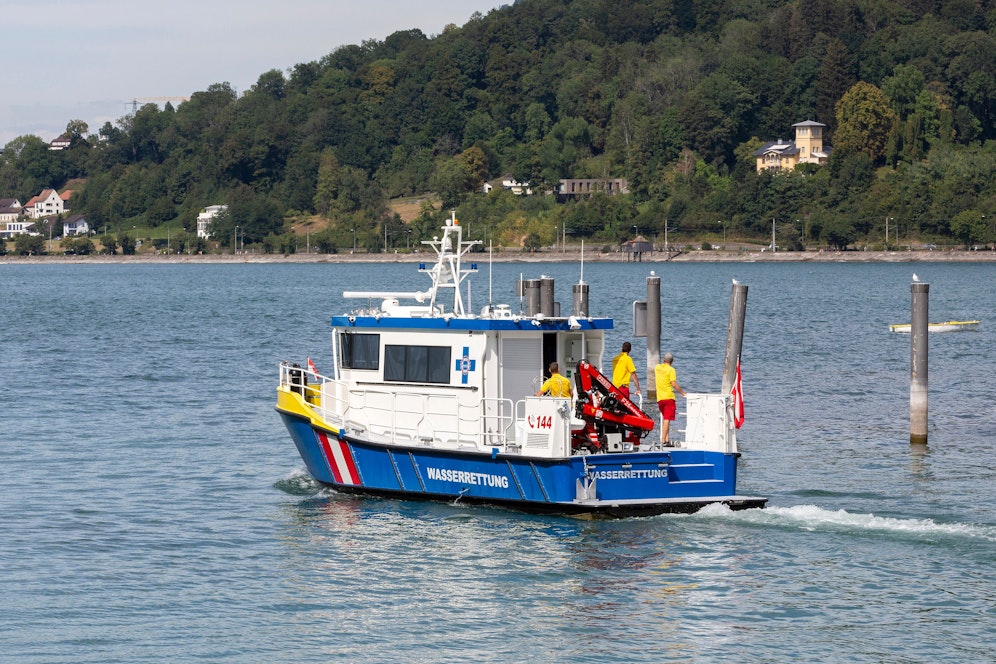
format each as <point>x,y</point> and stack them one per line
<point>864,121</point>
<point>832,82</point>
<point>451,180</point>
<point>838,232</point>
<point>81,246</point>
<point>29,245</point>
<point>127,243</point>
<point>969,226</point>
<point>476,163</point>
<point>110,244</point>
<point>328,182</point>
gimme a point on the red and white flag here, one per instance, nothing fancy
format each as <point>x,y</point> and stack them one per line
<point>311,367</point>
<point>738,400</point>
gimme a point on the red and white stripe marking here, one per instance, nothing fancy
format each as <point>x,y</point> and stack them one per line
<point>339,458</point>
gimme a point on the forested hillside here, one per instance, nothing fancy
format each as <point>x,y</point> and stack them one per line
<point>674,96</point>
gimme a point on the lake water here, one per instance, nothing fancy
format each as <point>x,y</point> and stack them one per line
<point>153,508</point>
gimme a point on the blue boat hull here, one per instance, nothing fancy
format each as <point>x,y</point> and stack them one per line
<point>626,484</point>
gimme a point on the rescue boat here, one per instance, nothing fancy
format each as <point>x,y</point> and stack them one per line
<point>425,401</point>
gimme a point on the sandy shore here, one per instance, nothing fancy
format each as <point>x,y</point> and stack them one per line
<point>512,256</point>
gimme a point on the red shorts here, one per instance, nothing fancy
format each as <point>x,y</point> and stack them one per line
<point>624,389</point>
<point>668,408</point>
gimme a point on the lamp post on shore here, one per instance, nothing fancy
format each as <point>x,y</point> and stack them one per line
<point>723,221</point>
<point>354,239</point>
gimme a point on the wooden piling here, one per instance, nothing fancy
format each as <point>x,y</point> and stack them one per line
<point>734,334</point>
<point>919,305</point>
<point>531,288</point>
<point>653,334</point>
<point>546,296</point>
<point>580,293</point>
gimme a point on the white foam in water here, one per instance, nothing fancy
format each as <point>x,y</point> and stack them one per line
<point>811,517</point>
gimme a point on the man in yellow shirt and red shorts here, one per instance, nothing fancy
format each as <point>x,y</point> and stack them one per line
<point>666,379</point>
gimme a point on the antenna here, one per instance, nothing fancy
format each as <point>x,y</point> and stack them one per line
<point>491,266</point>
<point>581,281</point>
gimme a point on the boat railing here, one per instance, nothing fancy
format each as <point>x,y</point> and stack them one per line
<point>401,417</point>
<point>305,382</point>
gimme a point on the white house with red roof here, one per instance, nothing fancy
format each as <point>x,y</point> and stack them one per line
<point>48,203</point>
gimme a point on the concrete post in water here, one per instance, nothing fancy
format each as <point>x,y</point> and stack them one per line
<point>531,287</point>
<point>653,333</point>
<point>546,296</point>
<point>580,293</point>
<point>918,362</point>
<point>734,334</point>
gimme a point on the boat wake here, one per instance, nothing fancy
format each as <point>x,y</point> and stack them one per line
<point>813,518</point>
<point>299,483</point>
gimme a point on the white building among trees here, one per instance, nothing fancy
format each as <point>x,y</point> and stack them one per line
<point>205,218</point>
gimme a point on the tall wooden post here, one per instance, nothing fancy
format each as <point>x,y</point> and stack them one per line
<point>653,334</point>
<point>580,296</point>
<point>734,334</point>
<point>546,296</point>
<point>918,362</point>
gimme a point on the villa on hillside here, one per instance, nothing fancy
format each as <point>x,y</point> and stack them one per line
<point>60,143</point>
<point>75,225</point>
<point>509,184</point>
<point>9,229</point>
<point>10,209</point>
<point>807,148</point>
<point>205,218</point>
<point>48,203</point>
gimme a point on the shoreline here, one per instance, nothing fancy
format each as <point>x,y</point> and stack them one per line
<point>512,256</point>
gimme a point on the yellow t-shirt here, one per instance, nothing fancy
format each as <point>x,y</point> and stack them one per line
<point>556,386</point>
<point>622,369</point>
<point>664,376</point>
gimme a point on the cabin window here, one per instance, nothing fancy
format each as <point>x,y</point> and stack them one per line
<point>417,364</point>
<point>361,351</point>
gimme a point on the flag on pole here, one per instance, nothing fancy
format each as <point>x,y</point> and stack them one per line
<point>738,400</point>
<point>313,369</point>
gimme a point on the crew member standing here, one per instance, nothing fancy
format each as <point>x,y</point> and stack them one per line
<point>666,379</point>
<point>556,385</point>
<point>623,370</point>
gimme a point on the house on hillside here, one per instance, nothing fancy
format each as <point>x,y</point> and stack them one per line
<point>509,184</point>
<point>75,225</point>
<point>48,203</point>
<point>9,229</point>
<point>10,209</point>
<point>205,218</point>
<point>807,148</point>
<point>576,188</point>
<point>60,143</point>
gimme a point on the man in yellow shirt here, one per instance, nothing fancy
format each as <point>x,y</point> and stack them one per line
<point>666,379</point>
<point>556,385</point>
<point>623,370</point>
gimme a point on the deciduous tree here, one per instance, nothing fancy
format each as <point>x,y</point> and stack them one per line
<point>864,120</point>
